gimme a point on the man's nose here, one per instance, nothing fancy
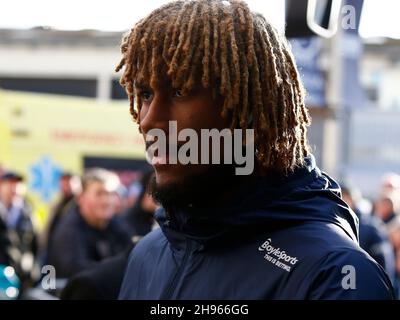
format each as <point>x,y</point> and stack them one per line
<point>156,115</point>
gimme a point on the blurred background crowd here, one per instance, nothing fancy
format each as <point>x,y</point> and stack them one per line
<point>73,175</point>
<point>94,218</point>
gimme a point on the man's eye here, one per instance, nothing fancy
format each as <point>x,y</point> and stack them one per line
<point>178,94</point>
<point>145,95</point>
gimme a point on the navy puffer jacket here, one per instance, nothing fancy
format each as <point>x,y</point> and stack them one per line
<point>286,238</point>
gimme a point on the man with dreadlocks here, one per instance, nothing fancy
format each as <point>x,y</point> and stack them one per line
<point>282,232</point>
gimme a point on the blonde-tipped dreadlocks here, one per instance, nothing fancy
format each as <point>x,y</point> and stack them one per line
<point>239,55</point>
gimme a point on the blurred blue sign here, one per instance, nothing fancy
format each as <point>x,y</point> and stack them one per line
<point>45,175</point>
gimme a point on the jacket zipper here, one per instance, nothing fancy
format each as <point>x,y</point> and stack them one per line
<point>167,293</point>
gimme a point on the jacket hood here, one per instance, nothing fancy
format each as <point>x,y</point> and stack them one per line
<point>268,203</point>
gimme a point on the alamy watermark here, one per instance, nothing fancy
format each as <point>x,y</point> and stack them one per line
<point>348,20</point>
<point>49,277</point>
<point>349,280</point>
<point>210,146</point>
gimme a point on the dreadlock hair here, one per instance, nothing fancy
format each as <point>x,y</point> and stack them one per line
<point>236,53</point>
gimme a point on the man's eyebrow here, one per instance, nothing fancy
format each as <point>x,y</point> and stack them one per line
<point>141,85</point>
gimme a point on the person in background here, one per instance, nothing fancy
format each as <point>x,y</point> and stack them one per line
<point>118,199</point>
<point>133,192</point>
<point>390,188</point>
<point>89,232</point>
<point>373,236</point>
<point>394,236</point>
<point>15,215</point>
<point>103,280</point>
<point>397,274</point>
<point>4,244</point>
<point>139,219</point>
<point>59,210</point>
<point>390,184</point>
<point>384,210</point>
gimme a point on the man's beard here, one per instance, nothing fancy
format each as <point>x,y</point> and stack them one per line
<point>197,190</point>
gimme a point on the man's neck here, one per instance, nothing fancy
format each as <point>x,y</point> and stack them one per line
<point>210,190</point>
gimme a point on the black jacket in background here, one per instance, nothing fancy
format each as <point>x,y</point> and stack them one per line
<point>103,280</point>
<point>59,211</point>
<point>375,241</point>
<point>4,244</point>
<point>76,246</point>
<point>100,282</point>
<point>136,221</point>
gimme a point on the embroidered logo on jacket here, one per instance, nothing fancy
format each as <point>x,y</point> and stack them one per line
<point>277,256</point>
